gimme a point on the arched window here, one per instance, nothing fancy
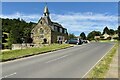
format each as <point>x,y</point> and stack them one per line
<point>41,22</point>
<point>41,31</point>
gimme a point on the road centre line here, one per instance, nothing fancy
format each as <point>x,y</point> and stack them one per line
<point>56,59</point>
<point>9,75</point>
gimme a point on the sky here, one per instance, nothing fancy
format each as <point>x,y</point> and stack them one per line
<point>77,17</point>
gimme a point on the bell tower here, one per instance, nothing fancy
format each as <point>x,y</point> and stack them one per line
<point>46,15</point>
<point>46,11</point>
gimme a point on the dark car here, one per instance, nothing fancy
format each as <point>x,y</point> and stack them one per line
<point>74,41</point>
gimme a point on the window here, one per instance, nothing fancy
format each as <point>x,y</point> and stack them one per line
<point>55,28</point>
<point>65,31</point>
<point>41,22</point>
<point>41,31</point>
<point>61,30</point>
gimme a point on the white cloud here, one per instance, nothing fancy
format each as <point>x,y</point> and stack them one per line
<point>26,17</point>
<point>86,22</point>
<point>75,22</point>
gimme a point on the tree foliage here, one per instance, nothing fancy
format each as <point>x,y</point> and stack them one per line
<point>83,36</point>
<point>17,29</point>
<point>92,34</point>
<point>109,31</point>
<point>106,30</point>
<point>112,32</point>
<point>70,36</point>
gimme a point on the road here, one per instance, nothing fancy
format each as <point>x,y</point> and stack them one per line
<point>72,62</point>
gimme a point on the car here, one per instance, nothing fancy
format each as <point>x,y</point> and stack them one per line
<point>77,41</point>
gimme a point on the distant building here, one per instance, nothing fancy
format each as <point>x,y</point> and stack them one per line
<point>97,37</point>
<point>47,31</point>
<point>106,35</point>
<point>115,35</point>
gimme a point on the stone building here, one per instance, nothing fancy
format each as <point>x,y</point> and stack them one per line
<point>47,31</point>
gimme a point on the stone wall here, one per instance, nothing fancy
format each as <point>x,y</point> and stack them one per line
<point>21,46</point>
<point>26,45</point>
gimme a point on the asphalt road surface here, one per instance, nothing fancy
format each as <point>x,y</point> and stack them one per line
<point>72,62</point>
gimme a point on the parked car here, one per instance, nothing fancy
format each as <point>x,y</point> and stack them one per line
<point>77,41</point>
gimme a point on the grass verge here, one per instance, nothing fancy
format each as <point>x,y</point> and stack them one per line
<point>15,54</point>
<point>100,70</point>
<point>107,41</point>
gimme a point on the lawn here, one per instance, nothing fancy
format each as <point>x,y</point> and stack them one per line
<point>107,41</point>
<point>14,54</point>
<point>104,41</point>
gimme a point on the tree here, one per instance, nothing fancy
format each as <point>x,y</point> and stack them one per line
<point>70,36</point>
<point>17,29</point>
<point>106,30</point>
<point>5,40</point>
<point>112,32</point>
<point>92,34</point>
<point>83,36</point>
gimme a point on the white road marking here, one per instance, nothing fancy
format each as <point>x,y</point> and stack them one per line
<point>9,75</point>
<point>56,59</point>
<point>97,62</point>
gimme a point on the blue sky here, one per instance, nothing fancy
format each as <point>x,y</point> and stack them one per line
<point>77,17</point>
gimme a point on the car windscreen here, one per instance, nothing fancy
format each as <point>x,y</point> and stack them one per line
<point>73,39</point>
